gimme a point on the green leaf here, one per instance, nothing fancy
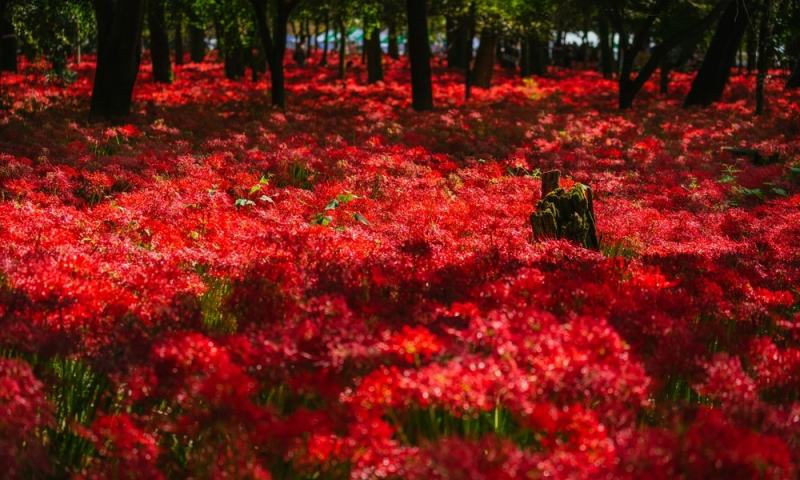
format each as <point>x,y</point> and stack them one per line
<point>243,202</point>
<point>756,192</point>
<point>264,180</point>
<point>254,189</point>
<point>361,219</point>
<point>345,197</point>
<point>794,171</point>
<point>322,220</point>
<point>779,191</point>
<point>332,205</point>
<point>265,198</point>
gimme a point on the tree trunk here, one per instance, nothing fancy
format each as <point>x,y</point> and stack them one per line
<point>764,54</point>
<point>274,47</point>
<point>664,77</point>
<point>752,46</point>
<point>628,86</point>
<point>179,41</point>
<point>606,52</point>
<point>159,42</point>
<point>711,79</point>
<point>119,47</point>
<point>324,60</point>
<point>419,54</point>
<point>374,57</point>
<point>342,50</point>
<point>456,43</point>
<point>393,48</point>
<point>8,49</point>
<point>793,49</point>
<point>197,43</point>
<point>484,59</point>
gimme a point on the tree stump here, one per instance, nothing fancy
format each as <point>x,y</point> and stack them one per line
<point>567,214</point>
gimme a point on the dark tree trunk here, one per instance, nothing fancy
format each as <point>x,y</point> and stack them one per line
<point>393,48</point>
<point>275,47</point>
<point>457,34</point>
<point>324,60</point>
<point>374,57</point>
<point>8,49</point>
<point>197,43</point>
<point>752,47</point>
<point>794,53</point>
<point>342,50</point>
<point>606,53</point>
<point>533,59</point>
<point>764,54</point>
<point>629,86</point>
<point>179,42</point>
<point>119,46</point>
<point>484,59</point>
<point>711,79</point>
<point>159,42</point>
<point>419,53</point>
<point>664,77</point>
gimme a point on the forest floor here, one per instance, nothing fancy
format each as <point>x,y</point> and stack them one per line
<point>350,289</point>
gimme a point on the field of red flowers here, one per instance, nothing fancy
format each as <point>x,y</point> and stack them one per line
<point>349,289</point>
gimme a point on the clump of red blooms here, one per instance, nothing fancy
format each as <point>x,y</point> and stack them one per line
<point>412,329</point>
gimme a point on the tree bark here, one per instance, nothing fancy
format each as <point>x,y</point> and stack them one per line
<point>711,79</point>
<point>393,48</point>
<point>752,46</point>
<point>628,86</point>
<point>457,34</point>
<point>324,60</point>
<point>179,41</point>
<point>606,52</point>
<point>197,43</point>
<point>794,50</point>
<point>342,50</point>
<point>764,55</point>
<point>119,38</point>
<point>275,47</point>
<point>374,57</point>
<point>484,59</point>
<point>420,55</point>
<point>159,42</point>
<point>8,48</point>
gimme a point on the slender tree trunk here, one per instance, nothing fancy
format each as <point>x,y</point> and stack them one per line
<point>324,60</point>
<point>8,42</point>
<point>629,86</point>
<point>393,49</point>
<point>274,46</point>
<point>456,40</point>
<point>159,42</point>
<point>664,75</point>
<point>764,54</point>
<point>119,46</point>
<point>419,53</point>
<point>606,52</point>
<point>342,50</point>
<point>711,79</point>
<point>484,59</point>
<point>752,45</point>
<point>794,54</point>
<point>374,57</point>
<point>471,20</point>
<point>197,43</point>
<point>179,41</point>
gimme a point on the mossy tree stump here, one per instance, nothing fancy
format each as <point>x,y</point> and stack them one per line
<point>567,214</point>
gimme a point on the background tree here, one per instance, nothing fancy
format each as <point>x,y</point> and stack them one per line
<point>159,41</point>
<point>119,36</point>
<point>419,53</point>
<point>273,40</point>
<point>627,15</point>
